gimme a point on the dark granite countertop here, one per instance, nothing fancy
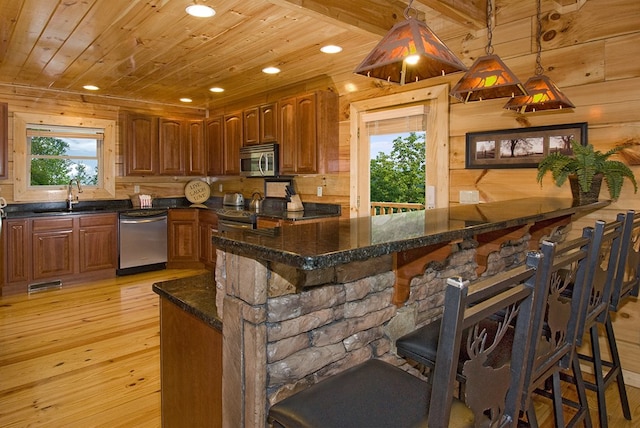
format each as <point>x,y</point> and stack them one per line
<point>311,246</point>
<point>195,295</point>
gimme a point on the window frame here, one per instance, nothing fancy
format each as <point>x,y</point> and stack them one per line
<point>23,192</point>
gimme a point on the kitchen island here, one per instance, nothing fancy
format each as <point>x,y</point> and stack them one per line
<point>303,302</point>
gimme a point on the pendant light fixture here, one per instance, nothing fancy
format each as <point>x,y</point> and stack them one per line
<point>409,52</point>
<point>543,93</point>
<point>488,77</point>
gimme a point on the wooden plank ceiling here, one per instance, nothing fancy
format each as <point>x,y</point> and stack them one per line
<point>151,50</point>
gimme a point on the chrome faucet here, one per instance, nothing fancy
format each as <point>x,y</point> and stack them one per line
<point>70,199</point>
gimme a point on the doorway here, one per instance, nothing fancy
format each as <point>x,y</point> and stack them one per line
<point>434,105</point>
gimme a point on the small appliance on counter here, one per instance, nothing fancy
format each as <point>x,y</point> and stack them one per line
<point>233,200</point>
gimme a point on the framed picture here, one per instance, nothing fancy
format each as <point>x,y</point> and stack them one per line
<point>521,147</point>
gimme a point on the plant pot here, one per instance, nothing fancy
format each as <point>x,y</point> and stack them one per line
<point>583,198</point>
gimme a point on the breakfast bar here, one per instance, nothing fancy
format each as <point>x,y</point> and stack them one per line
<point>301,303</point>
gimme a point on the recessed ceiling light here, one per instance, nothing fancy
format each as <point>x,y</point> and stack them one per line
<point>186,100</point>
<point>216,89</point>
<point>271,70</point>
<point>200,11</point>
<point>91,87</point>
<point>331,49</point>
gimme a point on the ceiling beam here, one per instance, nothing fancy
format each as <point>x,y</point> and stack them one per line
<point>465,12</point>
<point>368,16</point>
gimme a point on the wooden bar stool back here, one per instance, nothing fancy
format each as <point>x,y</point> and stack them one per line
<point>378,394</point>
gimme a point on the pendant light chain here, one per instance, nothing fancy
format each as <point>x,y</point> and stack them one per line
<point>408,8</point>
<point>489,49</point>
<point>539,70</point>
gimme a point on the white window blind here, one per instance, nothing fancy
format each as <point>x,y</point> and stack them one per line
<point>400,120</point>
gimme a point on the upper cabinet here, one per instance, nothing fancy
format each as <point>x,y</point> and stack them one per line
<point>309,133</point>
<point>214,145</point>
<point>260,124</point>
<point>171,147</point>
<point>140,141</point>
<point>4,140</point>
<point>162,146</point>
<point>232,143</point>
<point>250,121</point>
<point>195,150</point>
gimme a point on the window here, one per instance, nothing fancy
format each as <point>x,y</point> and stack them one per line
<point>58,154</point>
<point>51,150</point>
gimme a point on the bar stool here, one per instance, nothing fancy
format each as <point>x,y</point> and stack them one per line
<point>612,287</point>
<point>378,394</point>
<point>556,330</point>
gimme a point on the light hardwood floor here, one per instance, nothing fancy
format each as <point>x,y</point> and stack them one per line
<point>88,356</point>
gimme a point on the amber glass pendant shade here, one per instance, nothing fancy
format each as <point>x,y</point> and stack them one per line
<point>543,95</point>
<point>488,78</point>
<point>409,39</point>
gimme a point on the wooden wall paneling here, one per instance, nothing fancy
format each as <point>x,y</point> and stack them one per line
<point>618,51</point>
<point>4,141</point>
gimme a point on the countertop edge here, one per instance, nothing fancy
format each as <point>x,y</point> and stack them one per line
<point>195,295</point>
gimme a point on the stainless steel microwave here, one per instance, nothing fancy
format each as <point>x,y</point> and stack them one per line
<point>259,161</point>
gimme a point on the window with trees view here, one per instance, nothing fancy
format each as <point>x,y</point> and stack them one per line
<point>58,154</point>
<point>50,150</point>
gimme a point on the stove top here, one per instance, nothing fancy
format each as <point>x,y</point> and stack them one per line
<point>238,214</point>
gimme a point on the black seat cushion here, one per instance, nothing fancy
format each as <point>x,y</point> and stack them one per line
<point>372,394</point>
<point>421,345</point>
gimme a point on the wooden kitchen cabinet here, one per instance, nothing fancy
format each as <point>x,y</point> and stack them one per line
<point>54,252</point>
<point>171,147</point>
<point>214,145</point>
<point>207,225</point>
<point>232,142</point>
<point>260,124</point>
<point>4,141</point>
<point>17,250</point>
<point>98,242</point>
<point>251,126</point>
<point>195,151</point>
<point>308,130</point>
<point>183,239</point>
<point>191,369</point>
<point>71,248</point>
<point>140,144</point>
<point>268,123</point>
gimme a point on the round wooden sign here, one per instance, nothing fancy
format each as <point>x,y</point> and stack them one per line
<point>197,191</point>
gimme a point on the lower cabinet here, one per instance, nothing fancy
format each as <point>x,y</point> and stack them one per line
<point>191,369</point>
<point>72,248</point>
<point>190,244</point>
<point>208,224</point>
<point>183,239</point>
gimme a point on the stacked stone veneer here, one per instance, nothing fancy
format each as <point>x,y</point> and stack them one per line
<point>286,329</point>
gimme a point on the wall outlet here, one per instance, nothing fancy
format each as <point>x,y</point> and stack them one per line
<point>319,192</point>
<point>220,187</point>
<point>469,197</point>
<point>136,188</point>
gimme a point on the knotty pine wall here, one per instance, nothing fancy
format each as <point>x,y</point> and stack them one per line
<point>590,50</point>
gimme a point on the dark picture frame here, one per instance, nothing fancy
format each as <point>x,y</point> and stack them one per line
<point>521,147</point>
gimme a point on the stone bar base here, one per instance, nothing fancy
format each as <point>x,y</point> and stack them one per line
<point>285,329</point>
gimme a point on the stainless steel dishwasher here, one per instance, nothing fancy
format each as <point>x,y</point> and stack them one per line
<point>142,241</point>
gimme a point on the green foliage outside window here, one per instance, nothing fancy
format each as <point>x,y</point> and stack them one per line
<point>50,164</point>
<point>400,175</point>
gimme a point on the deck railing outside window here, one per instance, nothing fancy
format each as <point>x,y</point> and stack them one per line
<point>379,208</point>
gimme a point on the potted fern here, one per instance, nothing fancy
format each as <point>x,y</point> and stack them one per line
<point>585,171</point>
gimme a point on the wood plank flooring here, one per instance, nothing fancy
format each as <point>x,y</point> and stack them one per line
<point>88,356</point>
